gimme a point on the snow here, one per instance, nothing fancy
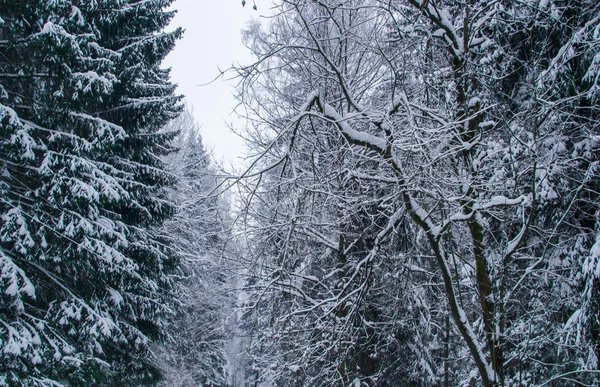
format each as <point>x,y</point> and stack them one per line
<point>443,17</point>
<point>77,15</point>
<point>572,320</point>
<point>49,28</point>
<point>52,29</point>
<point>27,143</point>
<point>89,78</point>
<point>15,217</point>
<point>13,118</point>
<point>330,113</point>
<point>81,189</point>
<point>500,201</point>
<point>469,331</point>
<point>592,75</point>
<point>355,135</point>
<point>309,100</point>
<point>424,216</point>
<point>514,243</point>
<point>592,263</point>
<point>474,102</point>
<point>114,131</point>
<point>17,280</point>
<point>596,248</point>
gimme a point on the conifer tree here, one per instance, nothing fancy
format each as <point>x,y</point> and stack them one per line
<point>84,279</point>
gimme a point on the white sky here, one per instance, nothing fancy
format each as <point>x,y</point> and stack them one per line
<point>212,41</point>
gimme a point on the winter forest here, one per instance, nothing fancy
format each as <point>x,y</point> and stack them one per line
<point>418,203</point>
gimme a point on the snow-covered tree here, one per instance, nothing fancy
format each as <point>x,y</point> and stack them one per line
<point>84,280</point>
<point>425,188</point>
<point>313,220</point>
<point>195,353</point>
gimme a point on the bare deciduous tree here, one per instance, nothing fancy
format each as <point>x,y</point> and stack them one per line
<point>450,146</point>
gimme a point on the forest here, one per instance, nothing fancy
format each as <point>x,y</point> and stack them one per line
<point>419,204</point>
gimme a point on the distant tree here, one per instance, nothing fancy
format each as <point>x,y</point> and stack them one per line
<point>84,278</point>
<point>195,353</point>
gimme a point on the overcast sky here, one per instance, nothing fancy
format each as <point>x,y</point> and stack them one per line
<point>212,41</point>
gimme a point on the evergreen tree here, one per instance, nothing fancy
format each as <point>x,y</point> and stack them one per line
<point>83,277</point>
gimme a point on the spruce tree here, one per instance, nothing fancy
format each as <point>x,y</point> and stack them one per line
<point>84,279</point>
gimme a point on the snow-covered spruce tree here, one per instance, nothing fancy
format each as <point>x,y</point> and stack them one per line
<point>194,353</point>
<point>84,280</point>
